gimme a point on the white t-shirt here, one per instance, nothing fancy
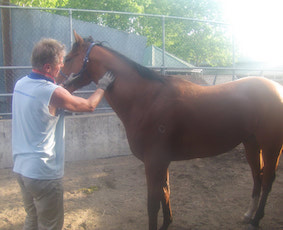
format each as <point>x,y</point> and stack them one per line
<point>38,138</point>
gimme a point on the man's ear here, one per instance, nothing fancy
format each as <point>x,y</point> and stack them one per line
<point>47,68</point>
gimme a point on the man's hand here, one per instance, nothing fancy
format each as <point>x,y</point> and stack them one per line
<point>106,80</point>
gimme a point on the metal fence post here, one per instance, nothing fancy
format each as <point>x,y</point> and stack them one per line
<point>163,45</point>
<point>71,27</point>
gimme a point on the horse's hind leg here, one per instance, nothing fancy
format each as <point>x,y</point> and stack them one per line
<point>270,158</point>
<point>158,191</point>
<point>253,158</point>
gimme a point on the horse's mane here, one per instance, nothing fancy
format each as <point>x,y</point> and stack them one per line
<point>142,70</point>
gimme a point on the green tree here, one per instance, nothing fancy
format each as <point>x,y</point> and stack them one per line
<point>40,3</point>
<point>197,42</point>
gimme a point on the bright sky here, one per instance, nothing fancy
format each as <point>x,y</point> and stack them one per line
<point>258,28</point>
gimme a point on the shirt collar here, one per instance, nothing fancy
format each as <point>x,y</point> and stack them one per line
<point>35,74</point>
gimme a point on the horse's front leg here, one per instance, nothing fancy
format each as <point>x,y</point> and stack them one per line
<point>165,201</point>
<point>156,175</point>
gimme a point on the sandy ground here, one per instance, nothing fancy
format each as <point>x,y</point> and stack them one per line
<point>110,194</point>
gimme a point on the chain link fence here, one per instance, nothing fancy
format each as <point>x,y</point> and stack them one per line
<point>171,45</point>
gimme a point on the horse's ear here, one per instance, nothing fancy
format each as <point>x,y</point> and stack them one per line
<point>78,38</point>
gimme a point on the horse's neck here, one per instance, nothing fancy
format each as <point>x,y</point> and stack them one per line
<point>129,95</point>
<point>130,90</point>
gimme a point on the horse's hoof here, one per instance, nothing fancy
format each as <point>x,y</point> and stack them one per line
<point>165,226</point>
<point>251,227</point>
<point>247,220</point>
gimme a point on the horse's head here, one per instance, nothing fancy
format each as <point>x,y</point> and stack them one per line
<point>75,73</point>
<point>89,61</point>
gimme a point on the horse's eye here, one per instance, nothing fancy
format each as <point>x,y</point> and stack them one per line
<point>67,59</point>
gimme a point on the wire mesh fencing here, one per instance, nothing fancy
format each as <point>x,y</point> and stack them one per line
<point>171,45</point>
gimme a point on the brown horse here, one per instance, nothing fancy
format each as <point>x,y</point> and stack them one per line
<point>168,119</point>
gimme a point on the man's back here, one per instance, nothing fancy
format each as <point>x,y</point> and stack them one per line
<point>38,140</point>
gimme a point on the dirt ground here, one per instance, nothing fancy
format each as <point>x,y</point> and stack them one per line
<point>110,194</point>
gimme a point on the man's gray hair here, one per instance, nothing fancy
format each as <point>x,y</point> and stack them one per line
<point>47,51</point>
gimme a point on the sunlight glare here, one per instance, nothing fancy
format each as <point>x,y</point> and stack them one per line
<point>257,28</point>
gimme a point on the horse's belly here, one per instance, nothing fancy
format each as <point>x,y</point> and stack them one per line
<point>206,151</point>
<point>206,139</point>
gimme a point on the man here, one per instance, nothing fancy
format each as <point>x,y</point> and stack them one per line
<point>38,132</point>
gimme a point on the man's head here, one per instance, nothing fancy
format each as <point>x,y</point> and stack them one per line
<point>47,56</point>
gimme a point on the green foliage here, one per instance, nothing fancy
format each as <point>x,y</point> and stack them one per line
<point>40,3</point>
<point>199,43</point>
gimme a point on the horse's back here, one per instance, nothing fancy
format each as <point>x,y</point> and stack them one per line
<point>208,120</point>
